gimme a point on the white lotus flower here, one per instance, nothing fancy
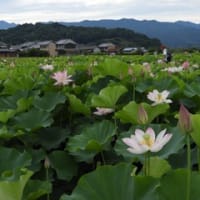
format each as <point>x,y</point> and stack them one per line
<point>47,67</point>
<point>146,141</point>
<point>173,69</point>
<point>103,111</point>
<point>159,97</point>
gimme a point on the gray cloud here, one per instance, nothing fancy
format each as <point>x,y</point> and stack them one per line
<point>21,11</point>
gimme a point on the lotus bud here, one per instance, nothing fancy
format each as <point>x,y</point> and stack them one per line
<point>47,163</point>
<point>130,71</point>
<point>184,119</point>
<point>120,76</point>
<point>142,115</point>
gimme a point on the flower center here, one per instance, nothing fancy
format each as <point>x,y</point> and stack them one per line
<point>159,97</point>
<point>147,140</point>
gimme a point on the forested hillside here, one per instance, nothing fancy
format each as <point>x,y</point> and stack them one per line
<point>83,35</point>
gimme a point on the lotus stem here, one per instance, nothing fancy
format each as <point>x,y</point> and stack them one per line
<point>133,91</point>
<point>198,157</point>
<point>148,161</point>
<point>115,122</point>
<point>147,164</point>
<point>188,167</point>
<point>47,179</point>
<point>103,159</point>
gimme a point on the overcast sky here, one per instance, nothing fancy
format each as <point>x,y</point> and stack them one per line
<point>21,11</point>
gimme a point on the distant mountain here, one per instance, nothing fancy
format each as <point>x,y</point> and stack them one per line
<point>188,24</point>
<point>6,25</point>
<point>83,35</point>
<point>178,34</point>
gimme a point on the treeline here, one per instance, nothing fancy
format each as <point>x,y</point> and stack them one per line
<point>84,35</point>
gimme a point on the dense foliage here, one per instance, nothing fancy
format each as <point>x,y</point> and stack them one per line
<point>83,35</point>
<point>56,144</point>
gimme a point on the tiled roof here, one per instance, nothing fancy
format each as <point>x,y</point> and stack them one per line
<point>65,41</point>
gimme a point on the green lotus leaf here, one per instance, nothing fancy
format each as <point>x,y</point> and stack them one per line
<point>8,106</point>
<point>6,115</point>
<point>192,89</point>
<point>174,185</point>
<point>38,156</point>
<point>8,102</point>
<point>22,82</point>
<point>13,190</point>
<point>158,167</point>
<point>108,96</point>
<point>49,101</point>
<point>169,83</point>
<point>91,140</point>
<point>179,161</point>
<point>12,161</point>
<point>176,143</point>
<point>129,113</point>
<point>113,182</point>
<point>114,67</point>
<point>97,83</point>
<point>179,82</point>
<point>33,119</point>
<point>77,106</point>
<point>8,132</point>
<point>24,103</point>
<point>51,137</point>
<point>144,85</point>
<point>64,165</point>
<point>195,119</point>
<point>35,189</point>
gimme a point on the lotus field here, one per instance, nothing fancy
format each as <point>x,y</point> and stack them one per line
<point>100,128</point>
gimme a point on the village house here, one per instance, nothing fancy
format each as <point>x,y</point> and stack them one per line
<point>25,46</point>
<point>8,53</point>
<point>5,51</point>
<point>133,50</point>
<point>109,48</point>
<point>87,49</point>
<point>3,45</point>
<point>48,46</point>
<point>66,46</point>
<point>129,50</point>
<point>22,47</point>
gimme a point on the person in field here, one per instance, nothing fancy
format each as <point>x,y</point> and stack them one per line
<point>167,56</point>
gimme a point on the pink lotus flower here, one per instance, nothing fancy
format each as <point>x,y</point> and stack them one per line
<point>146,66</point>
<point>159,97</point>
<point>146,141</point>
<point>186,65</point>
<point>103,111</point>
<point>62,78</point>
